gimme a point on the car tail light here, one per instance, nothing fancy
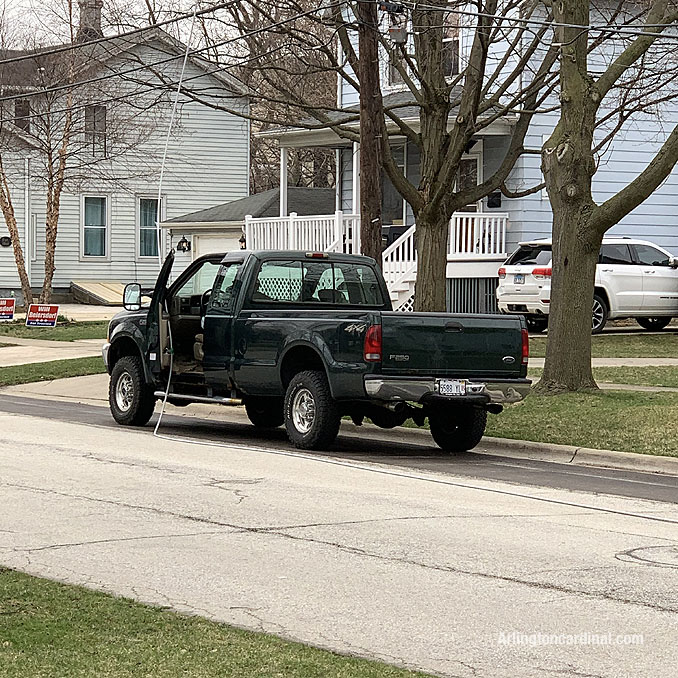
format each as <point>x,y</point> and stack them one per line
<point>502,273</point>
<point>526,347</point>
<point>372,346</point>
<point>541,273</point>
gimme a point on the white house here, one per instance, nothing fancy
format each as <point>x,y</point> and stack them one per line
<point>482,237</point>
<point>121,117</point>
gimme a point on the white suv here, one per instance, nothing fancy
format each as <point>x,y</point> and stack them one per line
<point>634,279</point>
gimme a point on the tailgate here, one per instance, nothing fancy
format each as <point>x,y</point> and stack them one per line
<point>437,344</point>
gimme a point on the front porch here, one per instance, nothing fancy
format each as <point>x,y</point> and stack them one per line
<point>476,243</point>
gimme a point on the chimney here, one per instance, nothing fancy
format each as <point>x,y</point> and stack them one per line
<point>90,20</point>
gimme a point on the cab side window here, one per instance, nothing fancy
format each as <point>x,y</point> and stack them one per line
<point>650,256</point>
<point>615,254</point>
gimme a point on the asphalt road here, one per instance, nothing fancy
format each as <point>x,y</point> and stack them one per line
<point>471,566</point>
<point>363,447</point>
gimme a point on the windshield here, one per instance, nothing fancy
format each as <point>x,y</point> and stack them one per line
<point>529,255</point>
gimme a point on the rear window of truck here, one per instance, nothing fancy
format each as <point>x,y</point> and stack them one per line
<point>316,282</point>
<point>530,254</point>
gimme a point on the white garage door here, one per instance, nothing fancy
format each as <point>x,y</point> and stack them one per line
<point>206,244</point>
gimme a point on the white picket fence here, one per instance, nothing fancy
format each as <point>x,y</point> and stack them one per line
<point>473,236</point>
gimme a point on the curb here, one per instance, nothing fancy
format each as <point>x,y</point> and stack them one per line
<point>525,449</point>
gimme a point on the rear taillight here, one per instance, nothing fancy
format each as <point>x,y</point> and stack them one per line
<point>372,346</point>
<point>541,273</point>
<point>502,273</point>
<point>526,347</point>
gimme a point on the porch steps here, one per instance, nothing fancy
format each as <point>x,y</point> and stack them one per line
<point>98,292</point>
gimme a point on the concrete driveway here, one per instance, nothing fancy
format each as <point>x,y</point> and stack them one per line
<point>450,574</point>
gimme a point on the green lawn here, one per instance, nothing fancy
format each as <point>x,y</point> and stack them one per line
<point>612,420</point>
<point>64,331</point>
<point>49,629</point>
<point>663,345</point>
<point>56,369</point>
<point>639,376</point>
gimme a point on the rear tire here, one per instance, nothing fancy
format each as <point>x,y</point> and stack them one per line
<point>130,398</point>
<point>457,428</point>
<point>654,324</point>
<point>311,415</point>
<point>536,323</point>
<point>265,412</point>
<point>599,314</point>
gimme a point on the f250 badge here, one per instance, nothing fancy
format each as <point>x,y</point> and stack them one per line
<point>399,357</point>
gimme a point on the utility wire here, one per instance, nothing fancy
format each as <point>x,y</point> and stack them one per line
<point>118,36</point>
<point>141,67</point>
<point>620,29</point>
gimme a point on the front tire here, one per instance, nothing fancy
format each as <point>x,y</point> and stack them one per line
<point>536,323</point>
<point>265,412</point>
<point>311,415</point>
<point>653,324</point>
<point>130,398</point>
<point>457,429</point>
<point>599,314</point>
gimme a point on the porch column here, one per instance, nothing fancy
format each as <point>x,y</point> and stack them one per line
<point>283,182</point>
<point>356,178</point>
<point>337,179</point>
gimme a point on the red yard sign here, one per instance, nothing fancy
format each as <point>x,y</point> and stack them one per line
<point>7,309</point>
<point>42,315</point>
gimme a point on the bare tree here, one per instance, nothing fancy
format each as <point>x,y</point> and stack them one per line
<point>77,122</point>
<point>292,46</point>
<point>639,79</point>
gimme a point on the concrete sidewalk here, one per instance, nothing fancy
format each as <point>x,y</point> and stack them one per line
<point>27,351</point>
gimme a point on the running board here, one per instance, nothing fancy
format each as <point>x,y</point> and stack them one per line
<point>213,400</point>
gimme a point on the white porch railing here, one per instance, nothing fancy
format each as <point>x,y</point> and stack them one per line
<point>473,236</point>
<point>337,232</point>
<point>477,235</point>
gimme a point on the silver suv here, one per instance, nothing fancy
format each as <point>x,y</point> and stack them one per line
<point>634,279</point>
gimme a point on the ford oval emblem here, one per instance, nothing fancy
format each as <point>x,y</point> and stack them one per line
<point>508,359</point>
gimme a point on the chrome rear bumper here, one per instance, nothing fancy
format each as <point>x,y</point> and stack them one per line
<point>414,389</point>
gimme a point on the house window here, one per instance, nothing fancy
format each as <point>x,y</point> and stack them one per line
<point>95,129</point>
<point>22,112</point>
<point>148,236</point>
<point>94,227</point>
<point>451,45</point>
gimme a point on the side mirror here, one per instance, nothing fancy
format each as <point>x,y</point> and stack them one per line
<point>131,297</point>
<point>673,262</point>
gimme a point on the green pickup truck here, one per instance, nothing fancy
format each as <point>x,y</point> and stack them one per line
<point>304,339</point>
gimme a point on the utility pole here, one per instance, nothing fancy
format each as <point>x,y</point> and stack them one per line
<point>371,107</point>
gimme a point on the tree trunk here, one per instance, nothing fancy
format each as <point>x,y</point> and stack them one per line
<point>7,208</point>
<point>431,285</point>
<point>51,227</point>
<point>371,108</point>
<point>568,350</point>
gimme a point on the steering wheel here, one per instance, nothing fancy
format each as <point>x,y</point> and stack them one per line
<point>204,300</point>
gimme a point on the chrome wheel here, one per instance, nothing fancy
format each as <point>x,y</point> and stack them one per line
<point>124,392</point>
<point>303,410</point>
<point>598,315</point>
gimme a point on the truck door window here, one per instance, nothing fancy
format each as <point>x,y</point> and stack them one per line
<point>222,292</point>
<point>201,281</point>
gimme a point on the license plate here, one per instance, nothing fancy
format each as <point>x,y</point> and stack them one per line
<point>452,387</point>
<point>519,278</point>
